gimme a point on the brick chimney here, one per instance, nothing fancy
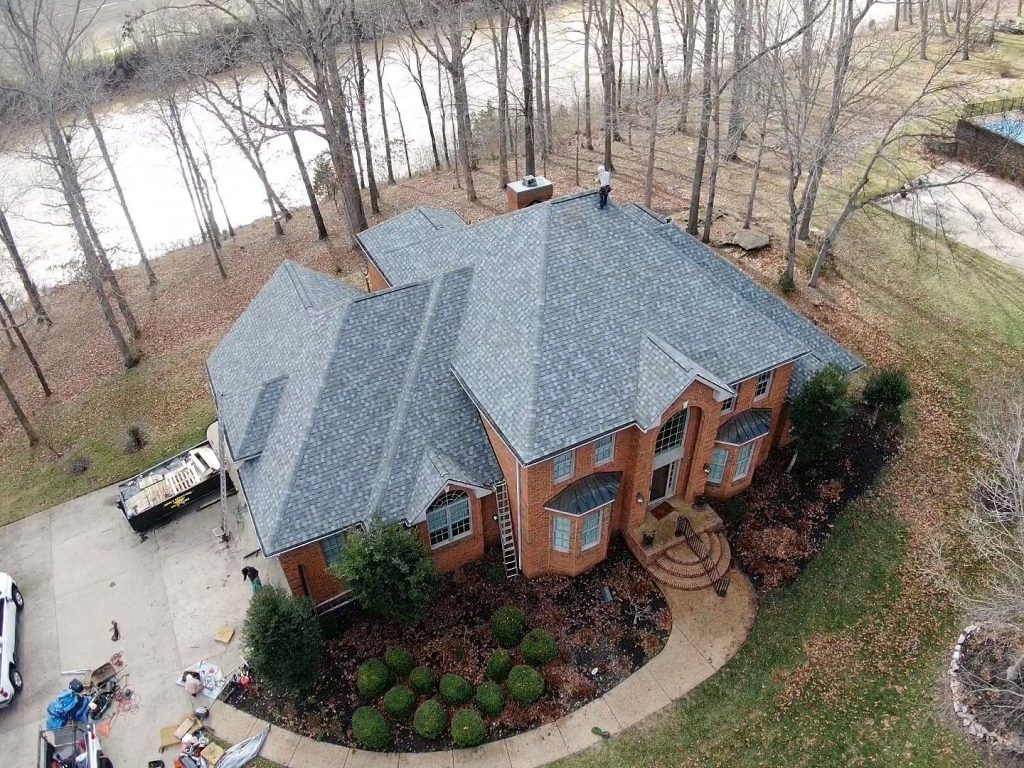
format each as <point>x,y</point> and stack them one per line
<point>530,190</point>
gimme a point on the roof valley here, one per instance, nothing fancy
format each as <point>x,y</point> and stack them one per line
<point>380,483</point>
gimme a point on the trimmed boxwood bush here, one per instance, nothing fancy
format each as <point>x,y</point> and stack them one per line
<point>373,678</point>
<point>887,391</point>
<point>398,660</point>
<point>499,665</point>
<point>422,680</point>
<point>430,719</point>
<point>455,689</point>
<point>539,648</point>
<point>509,625</point>
<point>468,729</point>
<point>489,699</point>
<point>525,684</point>
<point>400,702</point>
<point>370,728</point>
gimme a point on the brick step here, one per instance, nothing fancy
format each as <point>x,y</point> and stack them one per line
<point>693,576</point>
<point>681,554</point>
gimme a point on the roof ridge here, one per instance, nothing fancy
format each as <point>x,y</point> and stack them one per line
<point>411,375</point>
<point>537,331</point>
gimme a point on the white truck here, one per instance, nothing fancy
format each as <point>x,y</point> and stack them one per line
<point>11,604</point>
<point>76,745</point>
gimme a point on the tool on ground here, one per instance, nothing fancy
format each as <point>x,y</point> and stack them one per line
<point>598,731</point>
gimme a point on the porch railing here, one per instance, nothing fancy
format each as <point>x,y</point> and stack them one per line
<point>702,549</point>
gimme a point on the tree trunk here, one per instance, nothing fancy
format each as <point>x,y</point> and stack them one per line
<point>924,30</point>
<point>19,414</point>
<point>418,78</point>
<point>378,63</point>
<point>6,310</point>
<point>991,38</point>
<point>346,172</point>
<point>716,153</point>
<point>707,62</point>
<point>31,291</point>
<point>740,54</point>
<point>756,174</point>
<point>606,21</point>
<point>401,130</point>
<point>549,136</point>
<point>371,176</point>
<point>224,209</point>
<point>655,67</point>
<point>538,85</point>
<point>588,15</point>
<point>524,21</point>
<point>102,145</point>
<point>499,42</point>
<point>965,30</point>
<point>444,117</point>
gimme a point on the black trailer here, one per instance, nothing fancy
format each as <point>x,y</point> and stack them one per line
<point>158,493</point>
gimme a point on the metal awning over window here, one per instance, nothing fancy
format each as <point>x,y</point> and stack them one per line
<point>586,494</point>
<point>746,426</point>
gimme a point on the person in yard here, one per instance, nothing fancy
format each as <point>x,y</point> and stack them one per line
<point>253,577</point>
<point>604,183</point>
<point>193,682</point>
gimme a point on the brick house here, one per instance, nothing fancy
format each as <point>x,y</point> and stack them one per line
<point>537,382</point>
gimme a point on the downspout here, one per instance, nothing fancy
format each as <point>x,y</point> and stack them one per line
<point>519,518</point>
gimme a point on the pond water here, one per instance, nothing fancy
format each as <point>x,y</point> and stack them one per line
<point>148,168</point>
<point>1009,126</point>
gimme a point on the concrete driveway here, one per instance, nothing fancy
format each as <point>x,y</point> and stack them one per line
<point>80,567</point>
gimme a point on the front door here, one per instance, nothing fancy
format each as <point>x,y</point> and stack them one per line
<point>663,482</point>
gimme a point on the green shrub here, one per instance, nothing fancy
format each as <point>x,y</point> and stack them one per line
<point>525,684</point>
<point>370,728</point>
<point>430,719</point>
<point>455,689</point>
<point>489,699</point>
<point>399,702</point>
<point>373,678</point>
<point>887,391</point>
<point>539,648</point>
<point>388,570</point>
<point>499,665</point>
<point>398,660</point>
<point>422,680</point>
<point>282,639</point>
<point>509,625</point>
<point>468,729</point>
<point>820,413</point>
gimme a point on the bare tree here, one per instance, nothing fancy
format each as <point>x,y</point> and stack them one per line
<point>499,44</point>
<point>19,413</point>
<point>8,321</point>
<point>411,58</point>
<point>27,284</point>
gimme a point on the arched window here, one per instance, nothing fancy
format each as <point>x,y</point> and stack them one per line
<point>672,433</point>
<point>448,518</point>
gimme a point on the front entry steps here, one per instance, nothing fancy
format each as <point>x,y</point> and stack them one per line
<point>680,568</point>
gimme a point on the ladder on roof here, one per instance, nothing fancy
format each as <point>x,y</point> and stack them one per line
<point>508,541</point>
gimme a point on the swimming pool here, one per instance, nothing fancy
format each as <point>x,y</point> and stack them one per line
<point>1008,126</point>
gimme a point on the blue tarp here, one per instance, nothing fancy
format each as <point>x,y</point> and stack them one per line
<point>67,707</point>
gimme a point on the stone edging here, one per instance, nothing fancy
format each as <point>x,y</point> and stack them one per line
<point>672,674</point>
<point>963,712</point>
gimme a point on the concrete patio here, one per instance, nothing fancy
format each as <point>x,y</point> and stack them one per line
<point>80,567</point>
<point>707,631</point>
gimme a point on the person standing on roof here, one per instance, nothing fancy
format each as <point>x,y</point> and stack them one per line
<point>604,182</point>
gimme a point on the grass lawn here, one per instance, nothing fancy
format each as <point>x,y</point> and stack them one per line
<point>94,426</point>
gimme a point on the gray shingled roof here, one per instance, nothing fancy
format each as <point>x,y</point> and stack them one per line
<point>558,342</point>
<point>746,426</point>
<point>341,399</point>
<point>586,494</point>
<point>409,227</point>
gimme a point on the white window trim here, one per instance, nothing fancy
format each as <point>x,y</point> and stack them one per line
<point>556,478</point>
<point>448,526</point>
<point>752,447</point>
<point>768,386</point>
<point>554,534</point>
<point>675,451</point>
<point>611,455</point>
<point>712,463</point>
<point>732,403</point>
<point>599,512</point>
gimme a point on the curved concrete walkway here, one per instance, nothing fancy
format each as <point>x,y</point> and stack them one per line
<point>707,631</point>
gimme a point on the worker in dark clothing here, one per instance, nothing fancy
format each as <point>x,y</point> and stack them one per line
<point>604,182</point>
<point>253,576</point>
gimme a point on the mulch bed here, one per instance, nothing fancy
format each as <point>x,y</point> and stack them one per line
<point>996,703</point>
<point>600,645</point>
<point>783,519</point>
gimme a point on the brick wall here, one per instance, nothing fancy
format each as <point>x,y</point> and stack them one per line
<point>309,561</point>
<point>453,555</point>
<point>374,278</point>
